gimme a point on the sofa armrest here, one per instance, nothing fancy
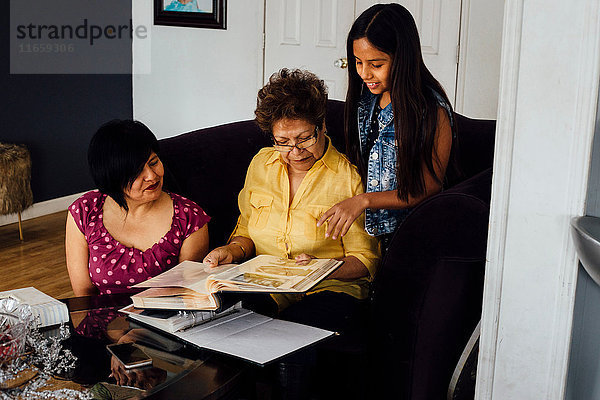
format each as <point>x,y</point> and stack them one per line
<point>428,291</point>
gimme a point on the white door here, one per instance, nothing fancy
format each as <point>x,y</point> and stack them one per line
<point>309,34</point>
<point>438,22</point>
<point>312,34</point>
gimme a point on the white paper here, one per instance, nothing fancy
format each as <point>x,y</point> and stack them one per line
<point>212,331</point>
<point>269,341</point>
<point>252,336</point>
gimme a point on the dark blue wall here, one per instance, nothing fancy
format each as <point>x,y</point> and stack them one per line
<point>55,117</point>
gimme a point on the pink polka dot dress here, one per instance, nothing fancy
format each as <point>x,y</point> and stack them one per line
<point>114,267</point>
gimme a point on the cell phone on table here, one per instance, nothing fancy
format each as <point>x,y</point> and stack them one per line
<point>129,355</point>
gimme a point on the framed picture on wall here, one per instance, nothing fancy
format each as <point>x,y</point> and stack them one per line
<point>191,13</point>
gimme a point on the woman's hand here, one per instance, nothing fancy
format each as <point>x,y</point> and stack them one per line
<point>303,259</point>
<point>220,255</point>
<point>143,378</point>
<point>240,248</point>
<point>342,215</point>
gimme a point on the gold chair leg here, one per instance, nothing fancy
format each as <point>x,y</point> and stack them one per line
<point>20,227</point>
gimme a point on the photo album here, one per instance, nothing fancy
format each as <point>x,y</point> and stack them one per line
<point>194,286</point>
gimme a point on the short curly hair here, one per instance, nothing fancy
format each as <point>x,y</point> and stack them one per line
<point>291,94</point>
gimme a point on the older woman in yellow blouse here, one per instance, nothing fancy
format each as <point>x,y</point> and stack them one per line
<point>287,189</point>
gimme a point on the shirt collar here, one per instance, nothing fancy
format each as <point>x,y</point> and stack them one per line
<point>275,155</point>
<point>329,158</point>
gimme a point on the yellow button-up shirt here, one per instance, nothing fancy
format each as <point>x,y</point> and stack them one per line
<point>286,229</point>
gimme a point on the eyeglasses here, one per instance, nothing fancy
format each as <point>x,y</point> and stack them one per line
<point>301,144</point>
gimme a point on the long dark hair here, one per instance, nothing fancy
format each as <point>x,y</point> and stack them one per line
<point>391,29</point>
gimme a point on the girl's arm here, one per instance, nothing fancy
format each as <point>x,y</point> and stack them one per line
<point>361,250</point>
<point>342,215</point>
<point>77,254</point>
<point>195,247</point>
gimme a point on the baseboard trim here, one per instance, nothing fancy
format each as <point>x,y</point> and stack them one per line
<point>42,208</point>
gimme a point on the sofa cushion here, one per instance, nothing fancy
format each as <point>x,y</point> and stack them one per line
<point>209,166</point>
<point>475,147</point>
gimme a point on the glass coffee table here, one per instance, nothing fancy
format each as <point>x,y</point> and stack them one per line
<point>178,371</point>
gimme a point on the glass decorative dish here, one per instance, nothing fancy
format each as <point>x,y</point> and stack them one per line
<point>13,336</point>
<point>14,327</point>
<point>16,323</point>
<point>28,360</point>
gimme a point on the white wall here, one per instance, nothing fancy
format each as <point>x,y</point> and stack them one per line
<point>479,63</point>
<point>198,77</point>
<point>205,77</point>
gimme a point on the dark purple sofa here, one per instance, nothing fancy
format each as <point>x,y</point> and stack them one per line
<point>428,291</point>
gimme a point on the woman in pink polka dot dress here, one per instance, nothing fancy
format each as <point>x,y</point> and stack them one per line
<point>129,229</point>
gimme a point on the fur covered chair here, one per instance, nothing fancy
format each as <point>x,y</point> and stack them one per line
<point>15,177</point>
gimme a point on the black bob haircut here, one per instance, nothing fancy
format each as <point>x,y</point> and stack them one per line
<point>117,154</point>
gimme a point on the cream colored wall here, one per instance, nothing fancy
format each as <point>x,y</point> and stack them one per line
<point>479,61</point>
<point>198,77</point>
<point>190,78</point>
<point>205,77</point>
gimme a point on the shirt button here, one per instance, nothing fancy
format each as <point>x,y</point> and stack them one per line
<point>374,182</point>
<point>374,156</point>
